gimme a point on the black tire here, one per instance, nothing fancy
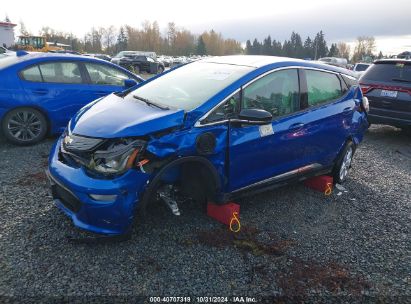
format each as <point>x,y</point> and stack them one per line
<point>342,166</point>
<point>24,126</point>
<point>160,69</point>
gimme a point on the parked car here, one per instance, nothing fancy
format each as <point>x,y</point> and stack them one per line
<point>404,55</point>
<point>387,85</point>
<point>116,59</point>
<point>100,56</point>
<point>40,92</point>
<point>339,62</point>
<point>360,68</point>
<point>213,130</point>
<point>141,63</point>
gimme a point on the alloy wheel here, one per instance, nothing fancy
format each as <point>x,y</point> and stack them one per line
<point>24,126</point>
<point>346,164</point>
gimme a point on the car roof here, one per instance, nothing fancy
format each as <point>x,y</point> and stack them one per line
<point>259,61</point>
<point>393,60</point>
<point>20,57</point>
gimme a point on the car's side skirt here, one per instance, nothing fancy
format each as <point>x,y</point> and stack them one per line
<point>283,179</point>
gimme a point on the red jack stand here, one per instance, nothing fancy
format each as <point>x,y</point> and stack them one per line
<point>223,213</point>
<point>323,183</point>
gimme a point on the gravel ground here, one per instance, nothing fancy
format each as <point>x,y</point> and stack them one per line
<point>295,244</point>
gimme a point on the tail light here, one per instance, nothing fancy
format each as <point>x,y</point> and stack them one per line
<point>365,88</point>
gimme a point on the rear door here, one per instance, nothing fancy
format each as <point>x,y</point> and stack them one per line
<point>387,85</point>
<point>329,112</point>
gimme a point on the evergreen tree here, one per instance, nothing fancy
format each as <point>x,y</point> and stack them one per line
<point>320,46</point>
<point>266,48</point>
<point>122,40</point>
<point>201,47</point>
<point>277,48</point>
<point>308,48</point>
<point>256,47</point>
<point>333,50</point>
<point>248,47</point>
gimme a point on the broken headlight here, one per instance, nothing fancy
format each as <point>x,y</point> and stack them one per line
<point>117,157</point>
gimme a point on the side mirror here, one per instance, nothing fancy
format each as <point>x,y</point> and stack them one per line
<point>255,116</point>
<point>128,83</point>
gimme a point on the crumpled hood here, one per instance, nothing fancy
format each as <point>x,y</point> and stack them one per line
<point>113,117</point>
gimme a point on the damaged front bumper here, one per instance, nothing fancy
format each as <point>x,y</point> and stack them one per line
<point>105,206</point>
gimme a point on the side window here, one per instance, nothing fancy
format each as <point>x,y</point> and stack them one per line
<point>32,74</point>
<point>322,87</point>
<point>105,75</point>
<point>227,110</point>
<point>61,72</point>
<point>277,93</point>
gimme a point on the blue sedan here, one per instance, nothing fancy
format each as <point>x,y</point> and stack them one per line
<point>40,92</point>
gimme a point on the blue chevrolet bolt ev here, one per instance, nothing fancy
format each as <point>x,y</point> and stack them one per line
<point>211,130</point>
<point>40,92</point>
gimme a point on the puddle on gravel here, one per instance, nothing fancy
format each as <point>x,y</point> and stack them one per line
<point>32,179</point>
<point>246,241</point>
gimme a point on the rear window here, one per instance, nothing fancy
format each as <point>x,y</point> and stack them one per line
<point>322,87</point>
<point>361,67</point>
<point>395,71</point>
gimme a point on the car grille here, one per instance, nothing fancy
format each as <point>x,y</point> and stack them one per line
<point>80,143</point>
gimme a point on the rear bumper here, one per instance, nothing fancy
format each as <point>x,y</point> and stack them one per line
<point>71,189</point>
<point>388,120</point>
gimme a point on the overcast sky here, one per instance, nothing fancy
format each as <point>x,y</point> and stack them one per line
<point>241,20</point>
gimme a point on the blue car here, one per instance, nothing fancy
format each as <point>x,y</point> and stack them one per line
<point>211,130</point>
<point>40,92</point>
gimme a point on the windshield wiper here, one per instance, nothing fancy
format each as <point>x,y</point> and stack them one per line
<point>401,80</point>
<point>150,103</point>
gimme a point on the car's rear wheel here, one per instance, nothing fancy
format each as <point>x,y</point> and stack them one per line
<point>24,126</point>
<point>343,164</point>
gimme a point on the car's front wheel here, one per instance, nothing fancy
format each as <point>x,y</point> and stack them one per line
<point>24,126</point>
<point>343,164</point>
<point>160,69</point>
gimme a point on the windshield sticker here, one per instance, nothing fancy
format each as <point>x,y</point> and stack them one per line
<point>219,75</point>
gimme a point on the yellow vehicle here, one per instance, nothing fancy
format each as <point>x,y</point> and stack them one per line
<point>36,44</point>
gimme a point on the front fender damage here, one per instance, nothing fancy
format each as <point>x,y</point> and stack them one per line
<point>192,161</point>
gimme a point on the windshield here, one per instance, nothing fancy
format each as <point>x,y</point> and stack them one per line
<point>361,67</point>
<point>191,85</point>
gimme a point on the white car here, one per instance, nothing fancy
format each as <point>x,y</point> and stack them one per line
<point>360,68</point>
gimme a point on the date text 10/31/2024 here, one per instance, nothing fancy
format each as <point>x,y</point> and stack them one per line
<point>235,299</point>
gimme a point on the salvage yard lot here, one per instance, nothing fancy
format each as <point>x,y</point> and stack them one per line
<point>294,242</point>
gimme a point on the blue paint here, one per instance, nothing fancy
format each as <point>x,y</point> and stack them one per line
<point>57,101</point>
<point>241,156</point>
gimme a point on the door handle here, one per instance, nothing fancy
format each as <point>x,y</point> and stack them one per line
<point>40,91</point>
<point>295,126</point>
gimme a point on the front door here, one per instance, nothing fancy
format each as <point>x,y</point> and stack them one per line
<point>257,153</point>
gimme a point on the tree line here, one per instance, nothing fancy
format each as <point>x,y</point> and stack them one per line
<point>177,41</point>
<point>313,48</point>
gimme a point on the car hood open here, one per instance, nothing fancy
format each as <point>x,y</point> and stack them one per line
<point>114,116</point>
